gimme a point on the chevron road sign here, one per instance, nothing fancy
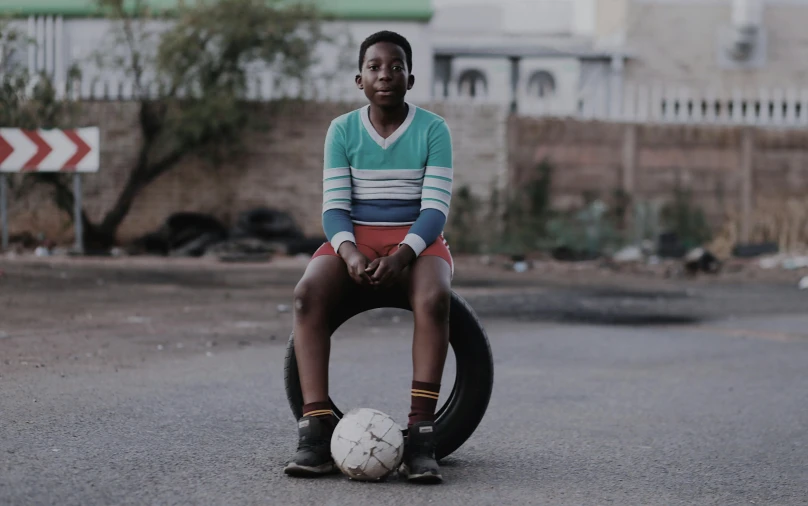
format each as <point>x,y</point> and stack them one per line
<point>54,150</point>
<point>49,150</point>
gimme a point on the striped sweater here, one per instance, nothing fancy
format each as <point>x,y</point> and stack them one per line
<point>405,179</point>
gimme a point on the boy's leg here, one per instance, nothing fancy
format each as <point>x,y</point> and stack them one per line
<point>430,294</point>
<point>430,298</point>
<point>316,296</point>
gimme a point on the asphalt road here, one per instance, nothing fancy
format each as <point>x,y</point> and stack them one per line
<point>696,415</point>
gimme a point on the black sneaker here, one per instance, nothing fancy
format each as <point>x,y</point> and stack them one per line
<point>419,463</point>
<point>313,456</point>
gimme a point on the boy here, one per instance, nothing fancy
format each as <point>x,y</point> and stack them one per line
<point>386,194</point>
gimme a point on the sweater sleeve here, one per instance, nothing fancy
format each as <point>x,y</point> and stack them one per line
<point>436,193</point>
<point>337,223</point>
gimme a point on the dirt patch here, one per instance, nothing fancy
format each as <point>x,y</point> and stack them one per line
<point>62,312</point>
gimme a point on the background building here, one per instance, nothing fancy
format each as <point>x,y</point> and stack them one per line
<point>670,60</point>
<point>70,32</point>
<point>538,53</point>
<point>639,60</point>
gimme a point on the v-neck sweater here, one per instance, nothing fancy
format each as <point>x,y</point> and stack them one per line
<point>404,179</point>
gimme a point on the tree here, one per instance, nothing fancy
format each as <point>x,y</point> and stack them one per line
<point>190,76</point>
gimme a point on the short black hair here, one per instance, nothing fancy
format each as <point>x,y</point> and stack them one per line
<point>386,36</point>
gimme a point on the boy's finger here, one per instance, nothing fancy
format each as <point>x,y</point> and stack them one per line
<point>380,273</point>
<point>373,265</point>
<point>356,275</point>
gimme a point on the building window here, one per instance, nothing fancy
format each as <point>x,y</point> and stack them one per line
<point>541,84</point>
<point>472,83</point>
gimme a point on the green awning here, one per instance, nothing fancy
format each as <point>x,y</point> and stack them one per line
<point>404,10</point>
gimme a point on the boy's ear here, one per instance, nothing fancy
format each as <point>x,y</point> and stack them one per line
<point>410,82</point>
<point>359,82</point>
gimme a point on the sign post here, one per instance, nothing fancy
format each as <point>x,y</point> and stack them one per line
<point>77,213</point>
<point>3,212</point>
<point>74,150</point>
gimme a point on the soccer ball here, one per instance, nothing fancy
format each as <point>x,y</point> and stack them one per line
<point>367,445</point>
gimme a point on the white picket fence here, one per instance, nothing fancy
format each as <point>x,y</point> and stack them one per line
<point>781,107</point>
<point>262,87</point>
<point>786,107</point>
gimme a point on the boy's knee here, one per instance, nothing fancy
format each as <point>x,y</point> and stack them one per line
<point>307,298</point>
<point>434,303</point>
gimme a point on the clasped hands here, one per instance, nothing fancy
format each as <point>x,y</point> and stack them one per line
<point>379,273</point>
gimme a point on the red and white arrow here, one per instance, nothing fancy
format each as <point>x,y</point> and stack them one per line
<point>49,150</point>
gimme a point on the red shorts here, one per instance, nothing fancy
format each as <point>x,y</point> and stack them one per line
<point>375,242</point>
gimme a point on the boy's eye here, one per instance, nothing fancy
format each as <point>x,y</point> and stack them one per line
<point>397,68</point>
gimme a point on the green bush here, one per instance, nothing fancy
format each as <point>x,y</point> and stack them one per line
<point>683,217</point>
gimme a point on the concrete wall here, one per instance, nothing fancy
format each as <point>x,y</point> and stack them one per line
<point>732,171</point>
<point>281,168</point>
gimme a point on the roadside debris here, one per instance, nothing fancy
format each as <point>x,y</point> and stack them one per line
<point>521,266</point>
<point>629,254</point>
<point>700,260</point>
<point>256,236</point>
<point>692,262</point>
<point>795,263</point>
<point>755,250</point>
<point>182,234</point>
<point>786,262</point>
<point>803,284</point>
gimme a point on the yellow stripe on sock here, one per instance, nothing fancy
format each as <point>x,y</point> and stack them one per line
<point>319,412</point>
<point>426,392</point>
<point>428,396</point>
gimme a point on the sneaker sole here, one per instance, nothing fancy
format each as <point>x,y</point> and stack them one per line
<point>426,478</point>
<point>299,471</point>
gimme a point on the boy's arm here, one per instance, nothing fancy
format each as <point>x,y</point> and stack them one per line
<point>337,223</point>
<point>436,194</point>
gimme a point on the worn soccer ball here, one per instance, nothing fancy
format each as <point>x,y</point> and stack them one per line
<point>367,445</point>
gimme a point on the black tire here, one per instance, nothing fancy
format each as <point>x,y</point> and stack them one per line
<point>468,400</point>
<point>267,224</point>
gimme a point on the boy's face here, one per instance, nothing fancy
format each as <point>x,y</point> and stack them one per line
<point>385,77</point>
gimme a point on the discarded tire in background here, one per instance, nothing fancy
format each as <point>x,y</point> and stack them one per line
<point>257,234</point>
<point>183,234</point>
<point>266,223</point>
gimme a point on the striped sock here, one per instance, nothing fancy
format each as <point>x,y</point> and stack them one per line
<point>321,410</point>
<point>424,402</point>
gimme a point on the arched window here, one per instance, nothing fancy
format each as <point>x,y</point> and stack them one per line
<point>472,83</point>
<point>541,84</point>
